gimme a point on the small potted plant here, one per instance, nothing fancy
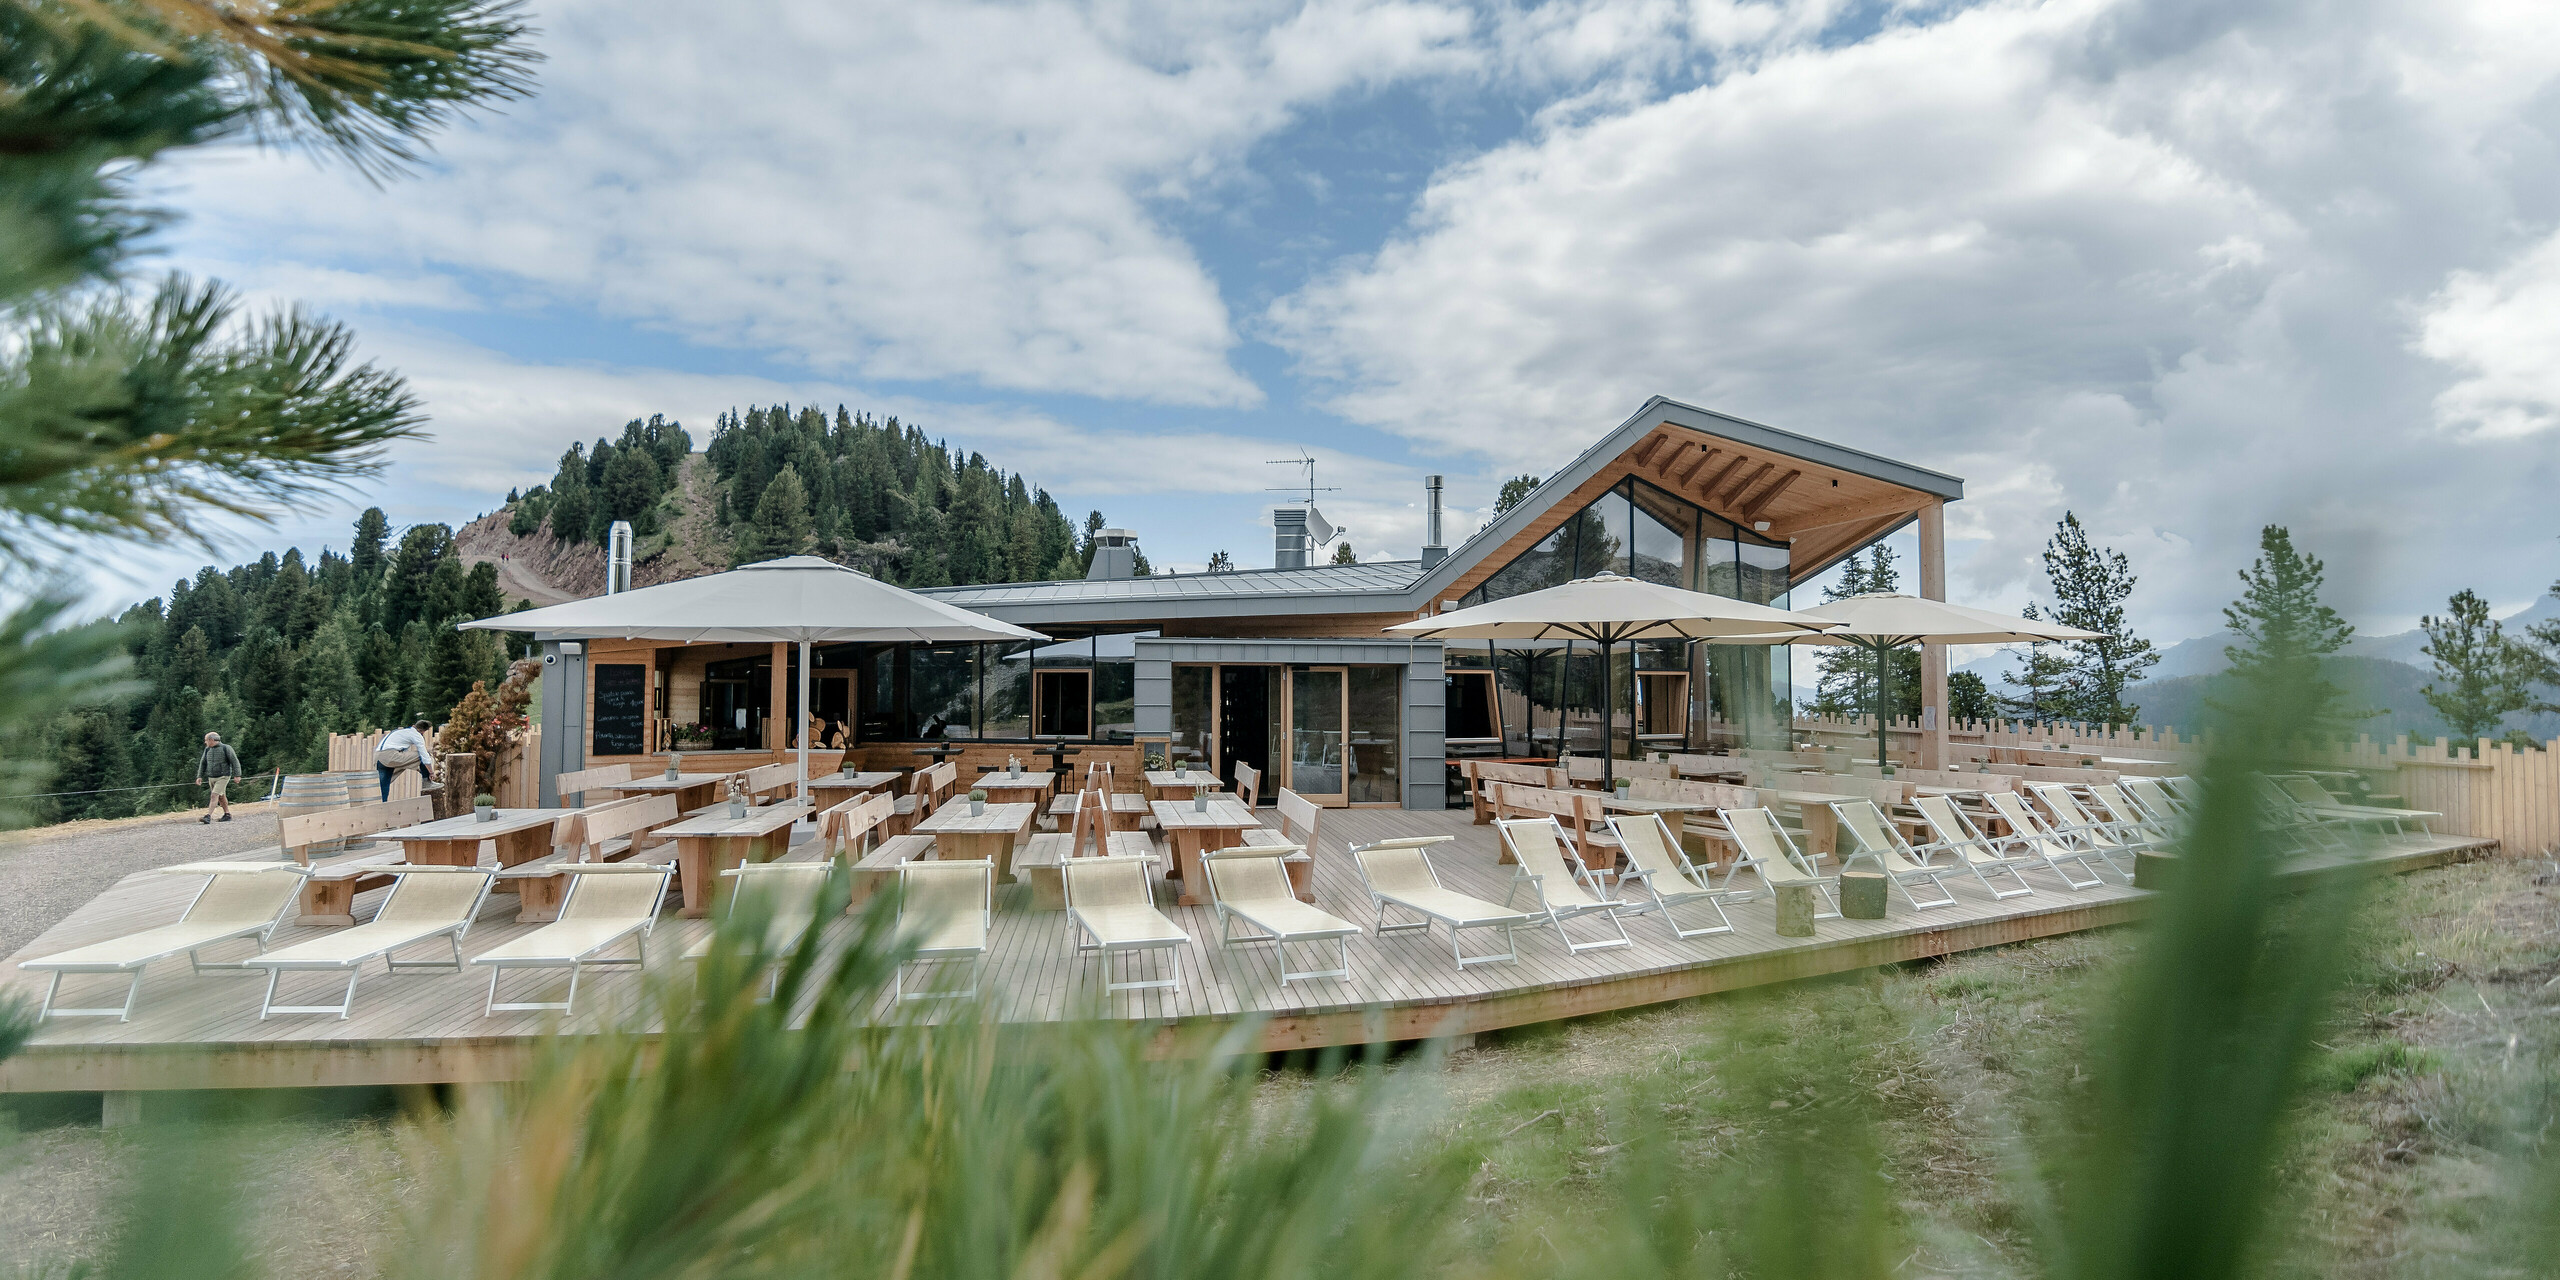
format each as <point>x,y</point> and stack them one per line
<point>1622,785</point>
<point>1013,765</point>
<point>737,795</point>
<point>845,765</point>
<point>977,801</point>
<point>675,764</point>
<point>1200,800</point>
<point>485,806</point>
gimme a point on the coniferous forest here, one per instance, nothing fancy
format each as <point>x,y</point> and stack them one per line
<point>279,653</point>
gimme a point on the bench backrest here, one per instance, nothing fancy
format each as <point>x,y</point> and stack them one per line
<point>608,822</point>
<point>298,834</point>
<point>1582,768</point>
<point>1300,818</point>
<point>935,784</point>
<point>850,824</point>
<point>1489,772</point>
<point>1718,795</point>
<point>770,778</point>
<point>1092,821</point>
<point>1248,784</point>
<point>577,781</point>
<point>1646,769</point>
<point>1576,807</point>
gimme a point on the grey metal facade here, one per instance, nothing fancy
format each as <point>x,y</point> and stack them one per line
<point>564,714</point>
<point>1422,720</point>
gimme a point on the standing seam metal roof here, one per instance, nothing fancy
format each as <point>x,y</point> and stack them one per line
<point>1383,576</point>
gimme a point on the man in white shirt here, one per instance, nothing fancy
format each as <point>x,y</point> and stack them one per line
<point>401,748</point>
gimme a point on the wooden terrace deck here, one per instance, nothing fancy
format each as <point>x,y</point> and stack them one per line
<point>197,1032</point>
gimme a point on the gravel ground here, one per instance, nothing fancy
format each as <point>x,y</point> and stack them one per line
<point>48,872</point>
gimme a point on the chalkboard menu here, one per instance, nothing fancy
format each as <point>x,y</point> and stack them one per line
<point>621,697</point>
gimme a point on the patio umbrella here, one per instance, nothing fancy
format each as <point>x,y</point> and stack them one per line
<point>1880,622</point>
<point>1606,609</point>
<point>800,599</point>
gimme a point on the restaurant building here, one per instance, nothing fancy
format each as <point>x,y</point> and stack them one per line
<point>1286,668</point>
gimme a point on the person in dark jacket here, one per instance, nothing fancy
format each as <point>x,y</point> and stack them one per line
<point>214,770</point>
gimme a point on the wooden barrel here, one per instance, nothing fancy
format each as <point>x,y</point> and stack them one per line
<point>363,786</point>
<point>306,793</point>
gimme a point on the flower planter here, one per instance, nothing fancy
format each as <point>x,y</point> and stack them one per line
<point>485,812</point>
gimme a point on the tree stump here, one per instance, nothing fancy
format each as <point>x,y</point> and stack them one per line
<point>461,778</point>
<point>1795,910</point>
<point>1862,895</point>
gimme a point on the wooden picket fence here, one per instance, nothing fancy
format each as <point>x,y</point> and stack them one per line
<point>2492,790</point>
<point>520,789</point>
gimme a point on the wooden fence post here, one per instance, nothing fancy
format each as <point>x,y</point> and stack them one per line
<point>461,782</point>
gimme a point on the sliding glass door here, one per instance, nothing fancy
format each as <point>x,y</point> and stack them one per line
<point>1316,722</point>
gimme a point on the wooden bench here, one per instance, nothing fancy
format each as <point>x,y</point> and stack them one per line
<point>1483,775</point>
<point>874,870</point>
<point>926,790</point>
<point>1702,835</point>
<point>766,784</point>
<point>577,782</point>
<point>608,832</point>
<point>1088,834</point>
<point>1584,817</point>
<point>331,902</point>
<point>852,826</point>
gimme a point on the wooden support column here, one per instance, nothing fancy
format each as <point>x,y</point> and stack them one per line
<point>1933,657</point>
<point>777,729</point>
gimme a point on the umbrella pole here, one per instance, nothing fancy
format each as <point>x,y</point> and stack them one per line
<point>803,726</point>
<point>1883,700</point>
<point>1608,722</point>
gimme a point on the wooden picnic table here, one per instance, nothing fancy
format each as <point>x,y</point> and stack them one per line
<point>714,842</point>
<point>691,790</point>
<point>1194,833</point>
<point>521,836</point>
<point>1164,784</point>
<point>1030,787</point>
<point>959,834</point>
<point>1821,826</point>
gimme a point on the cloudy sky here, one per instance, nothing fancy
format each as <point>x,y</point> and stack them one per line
<point>2184,267</point>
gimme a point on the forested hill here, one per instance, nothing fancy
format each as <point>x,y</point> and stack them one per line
<point>873,493</point>
<point>279,653</point>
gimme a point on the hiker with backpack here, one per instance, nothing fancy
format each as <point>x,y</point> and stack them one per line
<point>400,749</point>
<point>214,770</point>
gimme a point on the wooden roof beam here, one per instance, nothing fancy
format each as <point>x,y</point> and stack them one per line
<point>1706,454</point>
<point>1652,443</point>
<point>1745,483</point>
<point>1705,493</point>
<point>1896,505</point>
<point>1767,496</point>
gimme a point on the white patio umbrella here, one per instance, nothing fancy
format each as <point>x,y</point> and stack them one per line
<point>1879,622</point>
<point>800,599</point>
<point>1607,608</point>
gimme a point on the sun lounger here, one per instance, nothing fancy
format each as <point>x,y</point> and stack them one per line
<point>1565,889</point>
<point>1110,903</point>
<point>2163,809</point>
<point>945,907</point>
<point>2029,836</point>
<point>2071,822</point>
<point>2117,807</point>
<point>2316,800</point>
<point>1766,850</point>
<point>1251,883</point>
<point>1400,874</point>
<point>426,903</point>
<point>237,900</point>
<point>1960,839</point>
<point>1879,842</point>
<point>608,902</point>
<point>1655,863</point>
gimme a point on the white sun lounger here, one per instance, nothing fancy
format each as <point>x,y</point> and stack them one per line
<point>1656,864</point>
<point>1250,883</point>
<point>426,902</point>
<point>2119,808</point>
<point>1110,904</point>
<point>2071,822</point>
<point>1400,874</point>
<point>945,907</point>
<point>1565,889</point>
<point>788,893</point>
<point>1766,850</point>
<point>2318,803</point>
<point>608,902</point>
<point>237,900</point>
<point>2028,834</point>
<point>1878,841</point>
<point>2164,810</point>
<point>1957,835</point>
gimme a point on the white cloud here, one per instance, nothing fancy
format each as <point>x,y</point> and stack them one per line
<point>955,191</point>
<point>2150,263</point>
<point>2502,329</point>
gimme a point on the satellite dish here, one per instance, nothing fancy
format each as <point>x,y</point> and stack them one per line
<point>1318,528</point>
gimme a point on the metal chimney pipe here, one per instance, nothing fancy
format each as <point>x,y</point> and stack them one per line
<point>1433,552</point>
<point>617,558</point>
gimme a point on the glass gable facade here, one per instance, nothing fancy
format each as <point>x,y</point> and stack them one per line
<point>1551,692</point>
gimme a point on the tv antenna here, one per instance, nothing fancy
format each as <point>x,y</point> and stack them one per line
<point>1307,460</point>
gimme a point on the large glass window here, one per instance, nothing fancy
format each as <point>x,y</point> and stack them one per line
<point>1607,531</point>
<point>1664,526</point>
<point>942,690</point>
<point>1005,699</point>
<point>1376,755</point>
<point>1548,564</point>
<point>1194,715</point>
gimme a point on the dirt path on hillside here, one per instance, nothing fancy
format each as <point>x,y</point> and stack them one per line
<point>47,872</point>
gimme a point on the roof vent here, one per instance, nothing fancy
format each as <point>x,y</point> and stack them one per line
<point>1433,552</point>
<point>617,558</point>
<point>1296,531</point>
<point>1115,555</point>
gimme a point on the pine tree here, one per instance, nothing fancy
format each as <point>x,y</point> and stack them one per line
<point>2284,633</point>
<point>2041,679</point>
<point>1343,554</point>
<point>1847,684</point>
<point>364,555</point>
<point>1221,562</point>
<point>781,526</point>
<point>2480,674</point>
<point>2090,584</point>
<point>1513,491</point>
<point>630,490</point>
<point>1969,697</point>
